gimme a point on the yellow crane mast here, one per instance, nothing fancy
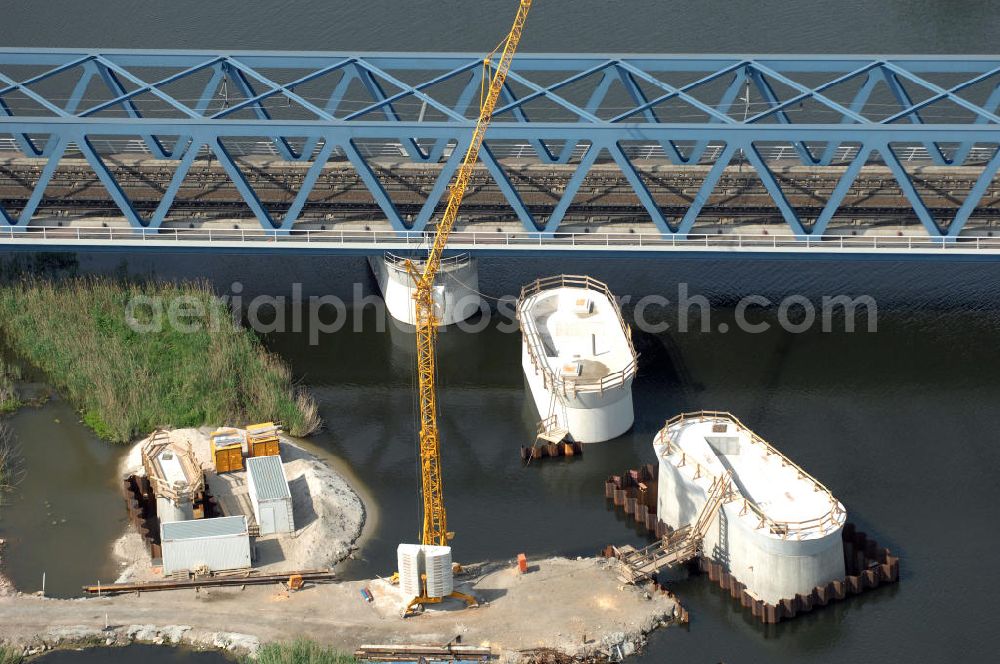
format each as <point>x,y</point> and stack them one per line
<point>435,527</point>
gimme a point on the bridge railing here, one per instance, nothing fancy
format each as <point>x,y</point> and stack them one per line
<point>387,149</point>
<point>492,239</point>
<point>398,262</point>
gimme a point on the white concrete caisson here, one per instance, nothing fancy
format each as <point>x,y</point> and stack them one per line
<point>577,355</point>
<point>456,287</point>
<point>778,531</point>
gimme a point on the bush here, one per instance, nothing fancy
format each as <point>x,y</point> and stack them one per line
<point>126,382</point>
<point>299,652</point>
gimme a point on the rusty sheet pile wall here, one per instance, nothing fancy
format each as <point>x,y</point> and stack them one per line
<point>140,501</point>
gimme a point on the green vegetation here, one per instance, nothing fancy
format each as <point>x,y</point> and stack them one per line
<point>132,357</point>
<point>9,374</point>
<point>10,655</point>
<point>299,652</point>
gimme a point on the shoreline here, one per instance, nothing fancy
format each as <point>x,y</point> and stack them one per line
<point>370,509</point>
<point>129,553</point>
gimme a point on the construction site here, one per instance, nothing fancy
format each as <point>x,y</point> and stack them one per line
<point>205,503</point>
<point>240,535</point>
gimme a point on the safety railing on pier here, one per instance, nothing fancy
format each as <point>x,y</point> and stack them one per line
<point>497,240</point>
<point>832,519</point>
<point>536,349</point>
<point>398,262</point>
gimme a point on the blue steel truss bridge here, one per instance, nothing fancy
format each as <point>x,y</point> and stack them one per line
<point>354,151</point>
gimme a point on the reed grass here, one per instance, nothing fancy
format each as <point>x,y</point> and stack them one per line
<point>11,464</point>
<point>9,375</point>
<point>126,380</point>
<point>10,655</point>
<point>299,652</point>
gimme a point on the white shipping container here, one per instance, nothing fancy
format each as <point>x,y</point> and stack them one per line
<point>269,495</point>
<point>216,544</point>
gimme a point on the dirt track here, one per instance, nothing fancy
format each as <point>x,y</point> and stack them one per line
<point>577,606</point>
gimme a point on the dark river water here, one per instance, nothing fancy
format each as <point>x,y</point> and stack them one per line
<point>68,501</point>
<point>898,423</point>
<point>710,26</point>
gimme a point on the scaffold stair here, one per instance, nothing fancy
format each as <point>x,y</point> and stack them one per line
<point>549,430</point>
<point>551,434</point>
<point>678,547</point>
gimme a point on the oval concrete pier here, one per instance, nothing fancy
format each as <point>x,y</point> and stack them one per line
<point>578,359</point>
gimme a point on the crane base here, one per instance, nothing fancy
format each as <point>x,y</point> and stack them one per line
<point>417,604</point>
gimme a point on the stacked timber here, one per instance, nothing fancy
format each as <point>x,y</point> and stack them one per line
<point>422,652</point>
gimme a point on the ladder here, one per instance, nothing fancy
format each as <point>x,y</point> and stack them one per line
<point>678,547</point>
<point>549,430</point>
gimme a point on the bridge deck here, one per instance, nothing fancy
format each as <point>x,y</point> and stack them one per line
<point>578,110</point>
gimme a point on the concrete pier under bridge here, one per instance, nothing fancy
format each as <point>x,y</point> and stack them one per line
<point>456,288</point>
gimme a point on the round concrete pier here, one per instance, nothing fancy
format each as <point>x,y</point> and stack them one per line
<point>456,287</point>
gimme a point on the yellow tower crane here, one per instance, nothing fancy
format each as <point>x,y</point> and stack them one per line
<point>435,526</point>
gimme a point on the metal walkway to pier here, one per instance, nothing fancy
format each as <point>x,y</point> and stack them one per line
<point>701,111</point>
<point>680,546</point>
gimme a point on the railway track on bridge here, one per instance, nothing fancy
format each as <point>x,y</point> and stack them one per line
<point>604,197</point>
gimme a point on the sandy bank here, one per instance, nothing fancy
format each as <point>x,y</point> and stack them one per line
<point>329,516</point>
<point>578,607</point>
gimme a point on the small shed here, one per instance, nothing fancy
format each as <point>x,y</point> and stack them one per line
<point>216,544</point>
<point>269,495</point>
<point>227,450</point>
<point>262,439</point>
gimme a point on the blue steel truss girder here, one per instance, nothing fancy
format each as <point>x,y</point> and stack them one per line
<point>593,120</point>
<point>947,133</point>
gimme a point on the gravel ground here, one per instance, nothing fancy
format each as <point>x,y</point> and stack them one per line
<point>578,607</point>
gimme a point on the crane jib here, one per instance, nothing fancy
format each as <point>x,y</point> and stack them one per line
<point>435,525</point>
